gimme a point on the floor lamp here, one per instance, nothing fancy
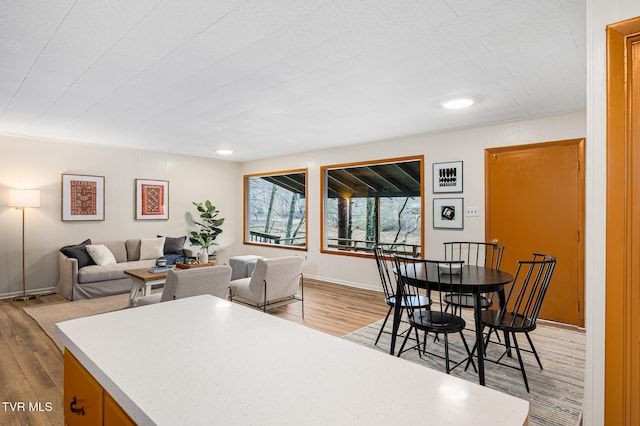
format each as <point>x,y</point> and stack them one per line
<point>21,199</point>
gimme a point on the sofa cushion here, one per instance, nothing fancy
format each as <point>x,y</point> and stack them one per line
<point>117,248</point>
<point>101,254</point>
<point>79,252</point>
<point>151,248</point>
<point>133,249</point>
<point>174,245</point>
<point>93,273</point>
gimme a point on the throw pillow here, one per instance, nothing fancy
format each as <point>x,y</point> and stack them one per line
<point>100,254</point>
<point>79,252</point>
<point>174,245</point>
<point>172,259</point>
<point>151,248</point>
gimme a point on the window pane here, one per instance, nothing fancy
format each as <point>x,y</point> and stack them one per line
<point>276,209</point>
<point>400,220</point>
<point>377,202</point>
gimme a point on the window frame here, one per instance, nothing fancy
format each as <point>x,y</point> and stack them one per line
<point>246,232</point>
<point>324,193</point>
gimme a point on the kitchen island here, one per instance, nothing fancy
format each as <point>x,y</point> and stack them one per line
<point>204,360</point>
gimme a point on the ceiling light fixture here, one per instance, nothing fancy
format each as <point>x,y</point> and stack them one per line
<point>224,151</point>
<point>457,103</point>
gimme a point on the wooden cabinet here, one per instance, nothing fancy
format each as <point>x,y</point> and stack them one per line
<point>85,401</point>
<point>113,414</point>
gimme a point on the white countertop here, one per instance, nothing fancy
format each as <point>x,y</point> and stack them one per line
<point>204,360</point>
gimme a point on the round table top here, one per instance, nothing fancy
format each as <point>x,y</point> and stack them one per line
<point>473,278</point>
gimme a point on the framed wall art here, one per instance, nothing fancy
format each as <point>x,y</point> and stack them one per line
<point>152,199</point>
<point>448,213</point>
<point>82,197</point>
<point>447,177</point>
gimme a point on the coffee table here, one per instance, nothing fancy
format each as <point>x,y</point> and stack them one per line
<point>143,280</point>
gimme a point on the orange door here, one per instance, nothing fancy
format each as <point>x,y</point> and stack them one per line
<point>534,203</point>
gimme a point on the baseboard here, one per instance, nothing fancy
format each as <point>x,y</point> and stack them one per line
<point>36,292</point>
<point>343,282</point>
<point>562,325</point>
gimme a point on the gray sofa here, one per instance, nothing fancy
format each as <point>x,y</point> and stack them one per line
<point>92,280</point>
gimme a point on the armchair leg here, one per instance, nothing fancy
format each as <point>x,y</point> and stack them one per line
<point>302,294</point>
<point>264,305</point>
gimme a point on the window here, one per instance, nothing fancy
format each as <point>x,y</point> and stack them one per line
<point>377,202</point>
<point>276,209</point>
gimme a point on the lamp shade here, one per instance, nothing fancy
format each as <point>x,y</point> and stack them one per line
<point>24,198</point>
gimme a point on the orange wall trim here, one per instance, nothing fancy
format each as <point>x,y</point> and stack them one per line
<point>622,344</point>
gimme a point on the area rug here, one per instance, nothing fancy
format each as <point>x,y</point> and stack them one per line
<point>48,315</point>
<point>556,392</point>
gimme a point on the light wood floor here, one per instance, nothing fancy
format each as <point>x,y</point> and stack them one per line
<point>31,365</point>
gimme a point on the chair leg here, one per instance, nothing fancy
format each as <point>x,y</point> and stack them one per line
<point>524,375</point>
<point>495,330</point>
<point>533,349</point>
<point>404,342</point>
<point>473,351</point>
<point>486,342</point>
<point>383,324</point>
<point>418,341</point>
<point>446,352</point>
<point>475,346</point>
<point>470,360</point>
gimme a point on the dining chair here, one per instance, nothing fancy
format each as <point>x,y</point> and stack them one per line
<point>484,254</point>
<point>384,260</point>
<point>520,312</point>
<point>442,278</point>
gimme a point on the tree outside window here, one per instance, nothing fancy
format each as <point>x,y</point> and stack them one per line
<point>373,203</point>
<point>276,209</point>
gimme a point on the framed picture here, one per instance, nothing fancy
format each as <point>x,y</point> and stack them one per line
<point>152,199</point>
<point>448,213</point>
<point>82,197</point>
<point>447,177</point>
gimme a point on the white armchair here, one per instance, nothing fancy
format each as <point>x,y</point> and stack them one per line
<point>212,280</point>
<point>274,281</point>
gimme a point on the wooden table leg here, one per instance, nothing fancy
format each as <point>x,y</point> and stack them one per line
<point>134,291</point>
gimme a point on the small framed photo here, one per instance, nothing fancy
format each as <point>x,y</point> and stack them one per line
<point>82,197</point>
<point>152,199</point>
<point>447,177</point>
<point>448,213</point>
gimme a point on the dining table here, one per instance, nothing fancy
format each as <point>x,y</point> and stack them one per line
<point>473,280</point>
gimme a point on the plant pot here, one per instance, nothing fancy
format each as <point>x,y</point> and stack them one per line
<point>203,258</point>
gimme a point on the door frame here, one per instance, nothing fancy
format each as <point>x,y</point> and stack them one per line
<point>580,144</point>
<point>622,239</point>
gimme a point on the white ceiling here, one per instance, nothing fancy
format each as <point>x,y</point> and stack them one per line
<point>271,77</point>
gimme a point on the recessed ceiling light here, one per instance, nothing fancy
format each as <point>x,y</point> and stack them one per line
<point>224,151</point>
<point>457,103</point>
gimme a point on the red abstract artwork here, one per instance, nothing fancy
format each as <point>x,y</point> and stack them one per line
<point>152,199</point>
<point>83,197</point>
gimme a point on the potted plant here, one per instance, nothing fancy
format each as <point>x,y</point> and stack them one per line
<point>209,229</point>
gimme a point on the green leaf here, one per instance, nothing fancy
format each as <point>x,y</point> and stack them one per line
<point>209,225</point>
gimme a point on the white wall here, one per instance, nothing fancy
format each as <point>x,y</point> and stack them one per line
<point>33,163</point>
<point>600,13</point>
<point>467,145</point>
